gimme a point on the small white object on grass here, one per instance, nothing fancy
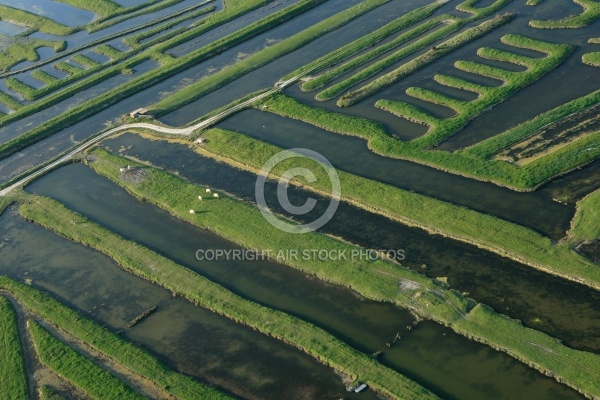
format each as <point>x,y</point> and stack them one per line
<point>192,212</point>
<point>216,195</point>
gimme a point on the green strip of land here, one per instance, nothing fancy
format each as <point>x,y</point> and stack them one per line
<point>129,355</point>
<point>76,369</point>
<point>48,393</point>
<point>377,280</point>
<point>502,237</point>
<point>13,379</point>
<point>201,291</point>
<point>591,12</point>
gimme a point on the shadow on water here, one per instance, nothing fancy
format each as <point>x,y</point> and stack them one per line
<point>191,339</point>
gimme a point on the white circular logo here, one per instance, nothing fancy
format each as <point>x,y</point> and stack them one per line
<point>282,190</point>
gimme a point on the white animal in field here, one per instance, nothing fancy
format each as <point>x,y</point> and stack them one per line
<point>200,198</point>
<point>207,190</point>
<point>216,195</point>
<point>192,212</point>
<point>121,169</point>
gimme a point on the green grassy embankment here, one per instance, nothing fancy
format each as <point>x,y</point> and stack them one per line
<point>201,291</point>
<point>43,77</point>
<point>591,12</point>
<point>592,58</point>
<point>35,22</point>
<point>586,223</point>
<point>442,129</point>
<point>13,378</point>
<point>363,42</point>
<point>108,343</point>
<point>9,101</point>
<point>502,237</point>
<point>424,59</point>
<point>378,280</point>
<point>230,73</point>
<point>48,393</point>
<point>76,369</point>
<point>109,51</point>
<point>25,50</point>
<point>470,6</point>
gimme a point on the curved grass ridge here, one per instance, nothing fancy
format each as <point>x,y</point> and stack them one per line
<point>203,292</point>
<point>76,369</point>
<point>377,280</point>
<point>129,355</point>
<point>591,12</point>
<point>442,129</point>
<point>13,378</point>
<point>419,62</point>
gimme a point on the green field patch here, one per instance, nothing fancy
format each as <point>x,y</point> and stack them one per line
<point>13,378</point>
<point>76,369</point>
<point>591,12</point>
<point>156,187</point>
